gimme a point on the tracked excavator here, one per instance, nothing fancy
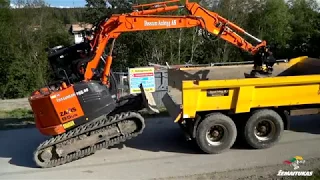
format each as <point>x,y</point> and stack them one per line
<point>81,109</point>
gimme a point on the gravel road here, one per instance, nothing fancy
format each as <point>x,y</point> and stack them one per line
<point>161,152</point>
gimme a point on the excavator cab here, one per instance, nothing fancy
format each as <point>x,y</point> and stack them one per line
<point>69,63</point>
<point>63,62</point>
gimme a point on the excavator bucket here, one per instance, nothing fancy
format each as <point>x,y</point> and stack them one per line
<point>148,101</point>
<point>143,101</point>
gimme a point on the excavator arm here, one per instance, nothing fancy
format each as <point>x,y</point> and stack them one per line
<point>144,20</point>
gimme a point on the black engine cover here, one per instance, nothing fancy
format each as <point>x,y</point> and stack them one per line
<point>95,100</point>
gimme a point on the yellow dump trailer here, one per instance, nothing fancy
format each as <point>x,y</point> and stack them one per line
<point>216,105</point>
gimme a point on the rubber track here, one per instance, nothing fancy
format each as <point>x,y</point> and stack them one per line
<point>86,128</point>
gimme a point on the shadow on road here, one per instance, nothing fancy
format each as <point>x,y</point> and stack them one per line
<point>16,123</point>
<point>19,145</point>
<point>161,134</point>
<point>308,124</point>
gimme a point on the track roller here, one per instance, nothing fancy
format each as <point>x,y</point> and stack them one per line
<point>88,138</point>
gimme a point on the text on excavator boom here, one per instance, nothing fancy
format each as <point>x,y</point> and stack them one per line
<point>143,20</point>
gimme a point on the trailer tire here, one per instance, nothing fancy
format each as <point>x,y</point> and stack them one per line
<point>273,124</point>
<point>220,122</point>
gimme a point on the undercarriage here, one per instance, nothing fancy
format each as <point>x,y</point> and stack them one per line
<point>86,139</point>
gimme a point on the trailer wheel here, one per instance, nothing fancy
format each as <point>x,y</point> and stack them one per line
<point>263,129</point>
<point>216,133</point>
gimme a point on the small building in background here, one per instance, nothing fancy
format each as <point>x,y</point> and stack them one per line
<point>79,30</point>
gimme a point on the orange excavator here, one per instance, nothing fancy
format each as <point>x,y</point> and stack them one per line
<point>81,110</point>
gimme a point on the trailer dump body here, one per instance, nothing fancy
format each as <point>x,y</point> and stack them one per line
<point>193,85</point>
<point>217,105</point>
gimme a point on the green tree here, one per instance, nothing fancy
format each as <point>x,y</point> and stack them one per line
<point>96,9</point>
<point>7,43</point>
<point>26,32</point>
<point>270,21</point>
<point>305,27</point>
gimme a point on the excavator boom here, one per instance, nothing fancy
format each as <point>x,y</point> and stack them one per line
<point>145,20</point>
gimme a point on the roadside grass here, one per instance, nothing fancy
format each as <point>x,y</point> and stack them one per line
<point>23,118</point>
<point>15,119</point>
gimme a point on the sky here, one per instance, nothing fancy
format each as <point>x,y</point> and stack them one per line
<point>75,3</point>
<point>61,3</point>
<point>69,3</point>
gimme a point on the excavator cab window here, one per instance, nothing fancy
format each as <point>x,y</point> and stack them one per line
<point>63,61</point>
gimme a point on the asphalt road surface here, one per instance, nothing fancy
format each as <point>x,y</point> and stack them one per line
<point>160,152</point>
